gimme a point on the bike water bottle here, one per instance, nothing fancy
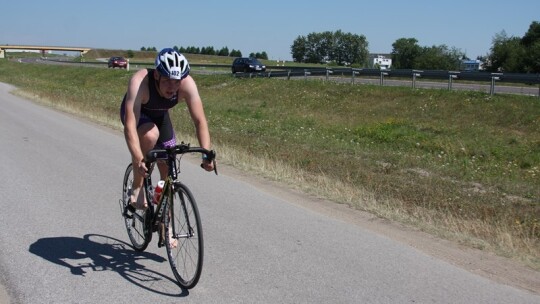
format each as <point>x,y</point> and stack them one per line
<point>158,190</point>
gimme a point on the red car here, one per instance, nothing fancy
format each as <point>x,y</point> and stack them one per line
<point>117,62</point>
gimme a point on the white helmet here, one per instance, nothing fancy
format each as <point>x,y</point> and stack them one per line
<point>171,64</point>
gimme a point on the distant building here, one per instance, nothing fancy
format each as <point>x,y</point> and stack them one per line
<point>471,65</point>
<point>380,61</point>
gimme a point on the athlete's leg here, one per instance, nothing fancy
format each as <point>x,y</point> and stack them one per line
<point>167,139</point>
<point>148,136</point>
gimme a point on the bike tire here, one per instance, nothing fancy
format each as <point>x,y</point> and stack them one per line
<point>138,223</point>
<point>183,226</point>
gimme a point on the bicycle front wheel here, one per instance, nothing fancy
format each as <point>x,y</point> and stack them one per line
<point>137,223</point>
<point>184,237</point>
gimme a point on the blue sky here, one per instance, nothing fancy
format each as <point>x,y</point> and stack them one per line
<point>256,26</point>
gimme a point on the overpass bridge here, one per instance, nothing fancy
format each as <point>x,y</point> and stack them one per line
<point>41,48</point>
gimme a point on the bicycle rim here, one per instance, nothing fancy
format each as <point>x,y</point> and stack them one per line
<point>184,237</point>
<point>137,223</point>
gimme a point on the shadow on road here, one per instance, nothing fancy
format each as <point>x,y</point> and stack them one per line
<point>96,253</point>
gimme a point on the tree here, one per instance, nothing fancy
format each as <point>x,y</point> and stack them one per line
<point>236,53</point>
<point>258,55</point>
<point>224,51</point>
<point>439,58</point>
<point>315,53</point>
<point>533,34</point>
<point>516,54</point>
<point>507,54</point>
<point>405,52</point>
<point>343,48</point>
<point>299,49</point>
<point>209,50</point>
<point>348,48</point>
<point>531,44</point>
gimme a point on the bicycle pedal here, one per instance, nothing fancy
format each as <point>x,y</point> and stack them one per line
<point>129,208</point>
<point>126,214</point>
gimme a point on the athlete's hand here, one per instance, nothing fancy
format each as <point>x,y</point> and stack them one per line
<point>141,167</point>
<point>207,165</point>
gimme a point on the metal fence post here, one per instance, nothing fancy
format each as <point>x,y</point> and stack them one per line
<point>415,73</point>
<point>328,71</point>
<point>354,72</point>
<point>451,76</point>
<point>494,77</point>
<point>382,78</point>
<point>306,73</point>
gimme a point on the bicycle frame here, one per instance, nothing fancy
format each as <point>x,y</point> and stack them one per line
<point>166,195</point>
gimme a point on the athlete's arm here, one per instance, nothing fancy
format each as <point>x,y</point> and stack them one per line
<point>137,91</point>
<point>189,91</point>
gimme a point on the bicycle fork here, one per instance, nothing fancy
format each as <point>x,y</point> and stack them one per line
<point>189,231</point>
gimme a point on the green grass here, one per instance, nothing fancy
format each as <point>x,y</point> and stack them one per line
<point>461,165</point>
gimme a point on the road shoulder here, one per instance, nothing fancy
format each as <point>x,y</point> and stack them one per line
<point>499,269</point>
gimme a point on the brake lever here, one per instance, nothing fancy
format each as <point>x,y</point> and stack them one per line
<point>215,166</point>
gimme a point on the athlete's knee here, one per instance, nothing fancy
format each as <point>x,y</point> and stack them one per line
<point>151,136</point>
<point>148,135</point>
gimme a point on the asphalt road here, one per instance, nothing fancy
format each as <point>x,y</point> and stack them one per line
<point>63,239</point>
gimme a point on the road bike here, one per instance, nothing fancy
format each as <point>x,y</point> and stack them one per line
<point>175,216</point>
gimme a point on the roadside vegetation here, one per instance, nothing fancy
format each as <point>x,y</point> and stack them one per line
<point>149,56</point>
<point>461,165</point>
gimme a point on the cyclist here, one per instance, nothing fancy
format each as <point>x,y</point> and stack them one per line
<point>145,114</point>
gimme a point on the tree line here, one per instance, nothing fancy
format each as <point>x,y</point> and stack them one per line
<point>407,54</point>
<point>507,54</point>
<point>516,54</point>
<point>340,48</point>
<point>210,50</point>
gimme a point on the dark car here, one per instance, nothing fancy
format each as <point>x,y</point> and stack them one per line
<point>117,62</point>
<point>247,65</point>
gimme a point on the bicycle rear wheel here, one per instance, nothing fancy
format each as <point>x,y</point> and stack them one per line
<point>138,223</point>
<point>184,237</point>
